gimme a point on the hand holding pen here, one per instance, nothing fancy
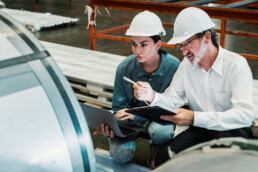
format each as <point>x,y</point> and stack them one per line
<point>129,80</point>
<point>142,90</point>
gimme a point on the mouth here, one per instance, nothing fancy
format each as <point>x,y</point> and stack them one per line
<point>139,57</point>
<point>190,56</point>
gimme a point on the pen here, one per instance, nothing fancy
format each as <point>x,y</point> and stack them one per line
<point>128,80</point>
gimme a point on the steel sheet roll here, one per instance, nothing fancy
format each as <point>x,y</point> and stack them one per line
<point>42,126</point>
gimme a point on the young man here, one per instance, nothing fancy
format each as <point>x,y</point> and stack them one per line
<point>216,83</point>
<point>152,65</point>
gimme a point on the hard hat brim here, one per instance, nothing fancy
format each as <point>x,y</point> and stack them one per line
<point>176,40</point>
<point>130,33</point>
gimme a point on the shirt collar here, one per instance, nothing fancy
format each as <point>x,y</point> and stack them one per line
<point>218,63</point>
<point>159,71</point>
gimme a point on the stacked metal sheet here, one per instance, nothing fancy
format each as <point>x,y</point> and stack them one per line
<point>37,21</point>
<point>90,73</point>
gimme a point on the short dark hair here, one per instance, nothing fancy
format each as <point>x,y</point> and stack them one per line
<point>214,38</point>
<point>155,39</point>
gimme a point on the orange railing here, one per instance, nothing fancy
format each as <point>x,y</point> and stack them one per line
<point>224,14</point>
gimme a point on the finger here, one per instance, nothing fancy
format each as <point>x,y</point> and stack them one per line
<point>117,115</point>
<point>140,89</point>
<point>125,118</point>
<point>143,91</point>
<point>97,132</point>
<point>142,84</point>
<point>138,83</point>
<point>107,131</point>
<point>112,134</point>
<point>126,113</point>
<point>120,115</point>
<point>135,86</point>
<point>178,110</point>
<point>136,95</point>
<point>167,118</point>
<point>139,92</point>
<point>102,128</point>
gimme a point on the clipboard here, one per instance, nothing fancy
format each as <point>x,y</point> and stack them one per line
<point>152,113</point>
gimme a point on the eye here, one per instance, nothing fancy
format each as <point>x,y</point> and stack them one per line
<point>188,42</point>
<point>143,45</point>
<point>134,44</point>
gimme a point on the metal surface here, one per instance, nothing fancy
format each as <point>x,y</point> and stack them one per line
<point>225,154</point>
<point>42,127</point>
<point>223,14</point>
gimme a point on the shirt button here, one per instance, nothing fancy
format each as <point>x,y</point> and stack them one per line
<point>150,79</point>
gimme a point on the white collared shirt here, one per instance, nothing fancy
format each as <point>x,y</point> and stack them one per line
<point>222,98</point>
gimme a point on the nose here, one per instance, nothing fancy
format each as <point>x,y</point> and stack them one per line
<point>137,50</point>
<point>184,51</point>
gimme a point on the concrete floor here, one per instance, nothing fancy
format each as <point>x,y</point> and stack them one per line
<point>78,36</point>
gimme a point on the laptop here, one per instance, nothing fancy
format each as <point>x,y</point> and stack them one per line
<point>95,117</point>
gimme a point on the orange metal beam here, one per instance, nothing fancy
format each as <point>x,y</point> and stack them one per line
<point>93,33</point>
<point>222,33</point>
<point>114,29</point>
<point>126,39</point>
<point>37,5</point>
<point>249,56</point>
<point>255,35</point>
<point>70,3</point>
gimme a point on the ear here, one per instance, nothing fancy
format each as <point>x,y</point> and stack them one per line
<point>207,37</point>
<point>158,45</point>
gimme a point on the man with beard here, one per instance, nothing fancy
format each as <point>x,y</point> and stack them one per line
<point>216,83</point>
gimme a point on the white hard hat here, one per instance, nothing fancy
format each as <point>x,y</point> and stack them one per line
<point>189,22</point>
<point>146,24</point>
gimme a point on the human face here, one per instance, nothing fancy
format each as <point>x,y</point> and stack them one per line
<point>144,48</point>
<point>194,49</point>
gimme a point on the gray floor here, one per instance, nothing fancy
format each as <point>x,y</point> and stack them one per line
<point>78,36</point>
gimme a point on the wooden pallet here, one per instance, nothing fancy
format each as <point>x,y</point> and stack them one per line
<point>93,93</point>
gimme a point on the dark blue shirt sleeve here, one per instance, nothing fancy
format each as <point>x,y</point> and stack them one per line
<point>120,99</point>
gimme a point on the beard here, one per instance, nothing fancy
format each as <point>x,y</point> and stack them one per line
<point>198,57</point>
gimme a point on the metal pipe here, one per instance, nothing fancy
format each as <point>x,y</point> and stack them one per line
<point>201,2</point>
<point>240,3</point>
